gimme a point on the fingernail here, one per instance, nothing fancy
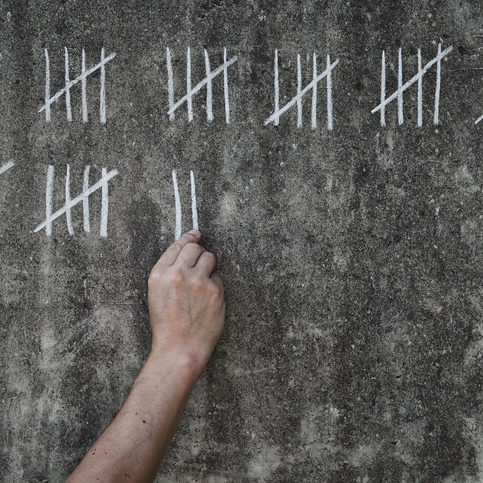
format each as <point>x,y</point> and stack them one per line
<point>195,232</point>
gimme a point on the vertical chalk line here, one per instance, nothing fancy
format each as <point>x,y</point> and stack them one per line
<point>276,90</point>
<point>209,92</point>
<point>194,208</point>
<point>68,216</point>
<point>102,95</point>
<point>85,201</point>
<point>225,88</point>
<point>104,204</point>
<point>177,205</point>
<point>479,119</point>
<point>48,200</point>
<point>438,86</point>
<point>170,83</point>
<point>68,109</point>
<point>188,85</point>
<point>329,95</point>
<point>299,90</point>
<point>47,86</point>
<point>6,166</point>
<point>420,91</point>
<point>84,88</point>
<point>314,92</point>
<point>383,89</point>
<point>400,113</point>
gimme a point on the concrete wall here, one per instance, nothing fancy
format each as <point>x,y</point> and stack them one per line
<point>351,257</point>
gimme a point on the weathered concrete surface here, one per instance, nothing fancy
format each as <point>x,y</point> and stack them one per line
<point>351,258</point>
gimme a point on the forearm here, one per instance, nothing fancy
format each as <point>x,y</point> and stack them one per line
<point>187,313</point>
<point>135,443</point>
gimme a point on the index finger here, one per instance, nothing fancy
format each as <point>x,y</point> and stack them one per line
<point>172,252</point>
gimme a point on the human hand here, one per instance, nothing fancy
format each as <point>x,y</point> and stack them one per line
<point>186,303</point>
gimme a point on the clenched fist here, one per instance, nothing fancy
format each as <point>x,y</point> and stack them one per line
<point>186,304</point>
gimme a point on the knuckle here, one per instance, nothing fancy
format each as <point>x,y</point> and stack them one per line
<point>177,277</point>
<point>191,247</point>
<point>195,248</point>
<point>214,290</point>
<point>154,278</point>
<point>210,256</point>
<point>198,282</point>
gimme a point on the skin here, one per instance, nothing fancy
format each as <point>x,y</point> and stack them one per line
<point>187,313</point>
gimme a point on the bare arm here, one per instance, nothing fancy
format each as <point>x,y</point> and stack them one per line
<point>187,312</point>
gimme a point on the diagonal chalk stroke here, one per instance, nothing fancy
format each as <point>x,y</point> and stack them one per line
<point>6,166</point>
<point>398,93</point>
<point>479,119</point>
<point>69,84</point>
<point>47,224</point>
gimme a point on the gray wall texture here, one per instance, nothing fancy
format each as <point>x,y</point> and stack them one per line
<point>351,257</point>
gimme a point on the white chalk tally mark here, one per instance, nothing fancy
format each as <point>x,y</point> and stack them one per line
<point>297,99</point>
<point>398,94</point>
<point>6,166</point>
<point>177,204</point>
<point>207,81</point>
<point>65,91</point>
<point>71,202</point>
<point>479,119</point>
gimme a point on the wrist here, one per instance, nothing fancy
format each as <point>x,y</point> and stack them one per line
<point>183,364</point>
